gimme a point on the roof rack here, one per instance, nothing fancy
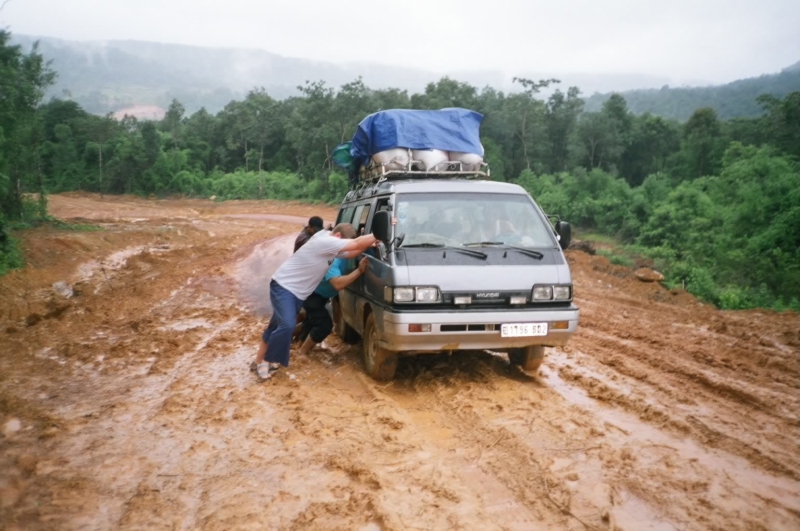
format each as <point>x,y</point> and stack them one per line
<point>377,173</point>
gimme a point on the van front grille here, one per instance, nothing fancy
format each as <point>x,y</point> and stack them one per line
<point>467,328</point>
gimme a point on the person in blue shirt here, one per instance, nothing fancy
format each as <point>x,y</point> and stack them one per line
<point>318,323</point>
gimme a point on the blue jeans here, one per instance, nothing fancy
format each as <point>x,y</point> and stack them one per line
<point>278,334</point>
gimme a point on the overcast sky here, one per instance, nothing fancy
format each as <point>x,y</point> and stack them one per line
<point>683,40</point>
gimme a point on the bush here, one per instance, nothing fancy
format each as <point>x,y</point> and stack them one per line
<point>10,255</point>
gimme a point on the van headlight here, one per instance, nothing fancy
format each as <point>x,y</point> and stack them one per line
<point>562,293</point>
<point>427,294</point>
<point>403,294</point>
<point>547,292</point>
<point>420,294</point>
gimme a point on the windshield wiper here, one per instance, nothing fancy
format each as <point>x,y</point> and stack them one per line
<point>482,243</point>
<point>471,252</point>
<point>523,250</point>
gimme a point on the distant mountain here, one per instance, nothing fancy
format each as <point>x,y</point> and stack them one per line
<point>733,100</point>
<point>109,76</point>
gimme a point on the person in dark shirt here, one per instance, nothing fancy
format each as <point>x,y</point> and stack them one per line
<point>318,324</point>
<point>313,227</point>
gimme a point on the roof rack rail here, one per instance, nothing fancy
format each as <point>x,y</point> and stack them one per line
<point>378,173</point>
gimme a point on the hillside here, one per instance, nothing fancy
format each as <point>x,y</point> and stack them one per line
<point>108,76</point>
<point>732,100</point>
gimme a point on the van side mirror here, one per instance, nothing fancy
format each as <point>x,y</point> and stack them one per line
<point>564,232</point>
<point>382,226</point>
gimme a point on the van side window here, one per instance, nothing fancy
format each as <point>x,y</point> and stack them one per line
<point>362,221</point>
<point>356,217</point>
<point>346,215</point>
<point>383,205</point>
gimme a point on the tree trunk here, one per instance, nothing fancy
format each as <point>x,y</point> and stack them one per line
<point>100,159</point>
<point>18,193</point>
<point>42,199</point>
<point>261,158</point>
<point>522,138</point>
<point>246,157</point>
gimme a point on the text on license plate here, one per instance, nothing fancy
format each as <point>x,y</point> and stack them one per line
<point>523,329</point>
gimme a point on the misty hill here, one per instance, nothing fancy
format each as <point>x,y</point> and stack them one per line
<point>112,75</point>
<point>106,76</point>
<point>732,100</point>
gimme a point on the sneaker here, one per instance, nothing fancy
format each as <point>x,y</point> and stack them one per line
<point>266,370</point>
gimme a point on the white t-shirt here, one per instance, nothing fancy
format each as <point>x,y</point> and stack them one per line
<point>303,271</point>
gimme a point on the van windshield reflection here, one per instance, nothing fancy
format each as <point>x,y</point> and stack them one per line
<point>454,220</point>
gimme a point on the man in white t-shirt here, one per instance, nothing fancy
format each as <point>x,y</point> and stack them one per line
<point>293,282</point>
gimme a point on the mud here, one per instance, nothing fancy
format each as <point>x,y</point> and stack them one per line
<point>126,401</point>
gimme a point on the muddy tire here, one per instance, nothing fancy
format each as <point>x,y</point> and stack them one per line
<point>340,327</point>
<point>379,363</point>
<point>528,358</point>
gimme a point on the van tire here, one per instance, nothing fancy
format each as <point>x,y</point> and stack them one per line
<point>340,326</point>
<point>380,364</point>
<point>528,358</point>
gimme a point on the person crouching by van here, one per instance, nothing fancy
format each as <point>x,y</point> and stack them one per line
<point>318,323</point>
<point>293,282</point>
<point>313,227</point>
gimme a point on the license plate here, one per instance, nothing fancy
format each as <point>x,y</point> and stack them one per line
<point>523,329</point>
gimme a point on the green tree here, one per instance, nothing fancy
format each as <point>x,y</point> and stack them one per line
<point>526,116</point>
<point>595,141</point>
<point>653,141</point>
<point>445,93</point>
<point>562,118</point>
<point>313,130</point>
<point>100,129</point>
<point>173,121</point>
<point>702,143</point>
<point>782,122</point>
<point>23,80</point>
<point>65,165</point>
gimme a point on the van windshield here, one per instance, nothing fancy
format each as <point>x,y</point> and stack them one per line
<point>455,219</point>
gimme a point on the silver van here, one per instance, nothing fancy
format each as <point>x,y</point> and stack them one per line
<point>462,265</point>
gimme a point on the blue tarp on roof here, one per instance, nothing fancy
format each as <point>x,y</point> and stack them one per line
<point>447,129</point>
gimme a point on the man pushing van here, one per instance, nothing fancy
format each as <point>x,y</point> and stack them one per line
<point>293,282</point>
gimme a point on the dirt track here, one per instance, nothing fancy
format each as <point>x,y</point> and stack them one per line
<point>129,405</point>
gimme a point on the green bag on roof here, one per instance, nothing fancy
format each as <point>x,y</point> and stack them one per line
<point>341,155</point>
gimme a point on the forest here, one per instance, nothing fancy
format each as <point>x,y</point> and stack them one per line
<point>738,99</point>
<point>715,203</point>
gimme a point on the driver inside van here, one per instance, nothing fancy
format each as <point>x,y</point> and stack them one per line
<point>491,227</point>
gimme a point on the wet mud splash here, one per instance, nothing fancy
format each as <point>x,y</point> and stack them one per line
<point>126,401</point>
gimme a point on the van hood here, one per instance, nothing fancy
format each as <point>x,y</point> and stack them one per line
<point>503,270</point>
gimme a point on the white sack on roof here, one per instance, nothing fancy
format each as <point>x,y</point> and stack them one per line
<point>392,159</point>
<point>431,159</point>
<point>469,161</point>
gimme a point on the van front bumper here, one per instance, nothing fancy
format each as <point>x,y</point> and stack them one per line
<point>471,330</point>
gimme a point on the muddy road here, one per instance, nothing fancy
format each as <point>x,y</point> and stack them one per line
<point>126,400</point>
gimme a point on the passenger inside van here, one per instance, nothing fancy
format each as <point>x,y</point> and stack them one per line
<point>484,226</point>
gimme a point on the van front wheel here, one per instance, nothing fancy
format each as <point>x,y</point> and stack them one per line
<point>528,358</point>
<point>380,363</point>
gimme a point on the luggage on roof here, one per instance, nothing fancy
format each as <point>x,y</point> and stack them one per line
<point>405,142</point>
<point>447,130</point>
